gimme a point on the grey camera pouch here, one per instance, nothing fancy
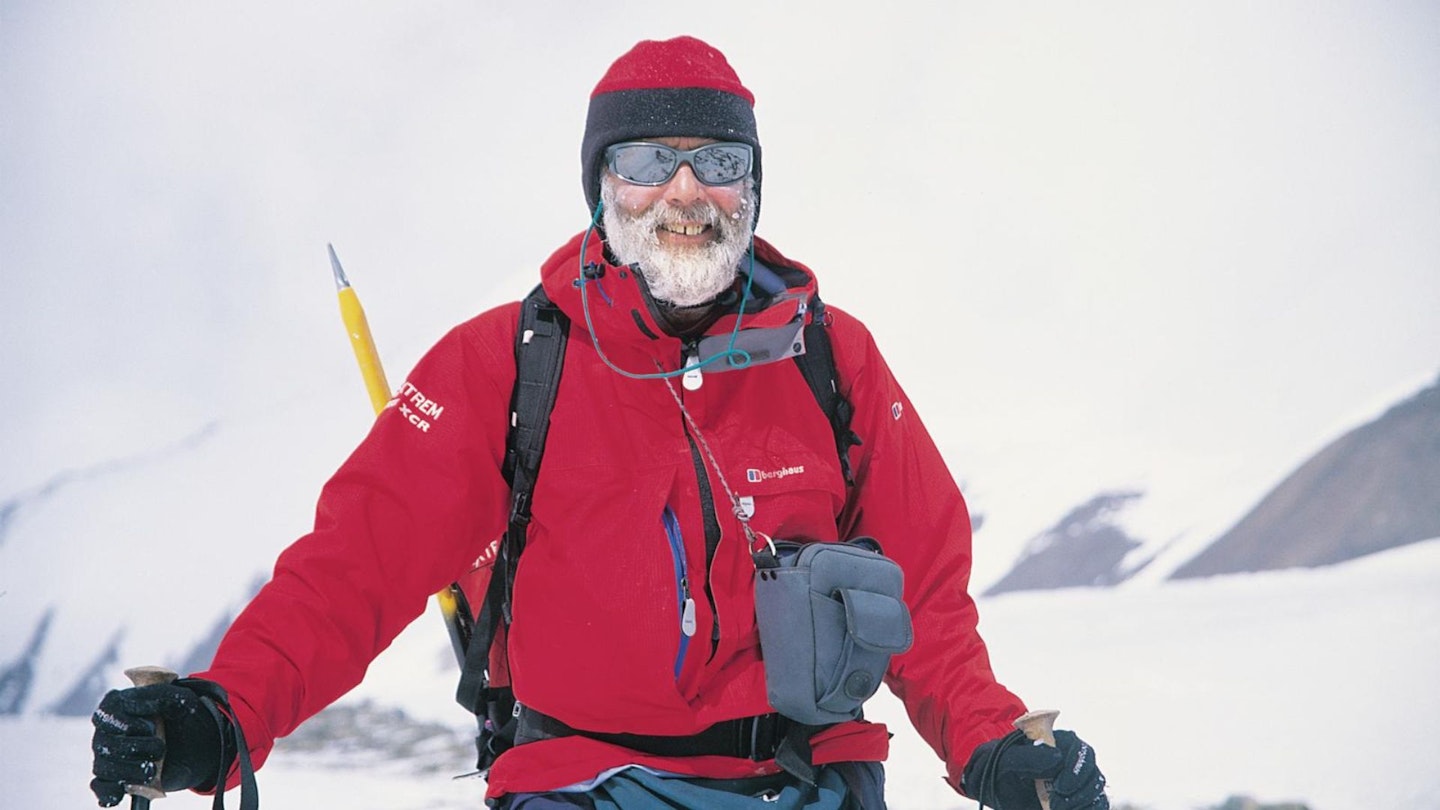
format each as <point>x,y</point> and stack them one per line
<point>830,617</point>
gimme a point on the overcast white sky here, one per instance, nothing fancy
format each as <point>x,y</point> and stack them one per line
<point>1169,245</point>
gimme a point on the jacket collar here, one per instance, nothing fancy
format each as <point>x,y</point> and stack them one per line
<point>622,316</point>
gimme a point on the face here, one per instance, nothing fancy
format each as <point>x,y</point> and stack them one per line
<point>683,191</point>
<point>687,238</point>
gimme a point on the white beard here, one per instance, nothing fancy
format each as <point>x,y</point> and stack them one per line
<point>680,276</point>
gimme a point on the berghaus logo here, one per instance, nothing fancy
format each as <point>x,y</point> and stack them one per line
<point>755,476</point>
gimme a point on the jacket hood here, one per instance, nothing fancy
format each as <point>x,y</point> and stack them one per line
<point>614,309</point>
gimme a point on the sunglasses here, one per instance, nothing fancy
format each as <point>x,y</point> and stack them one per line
<point>653,164</point>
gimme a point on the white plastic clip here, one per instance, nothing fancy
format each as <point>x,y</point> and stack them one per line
<point>693,378</point>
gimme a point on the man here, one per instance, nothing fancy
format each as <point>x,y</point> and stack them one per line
<point>633,641</point>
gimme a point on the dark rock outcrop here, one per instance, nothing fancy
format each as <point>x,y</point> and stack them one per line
<point>1375,488</point>
<point>1085,549</point>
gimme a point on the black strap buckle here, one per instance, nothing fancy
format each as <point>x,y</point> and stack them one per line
<point>760,736</point>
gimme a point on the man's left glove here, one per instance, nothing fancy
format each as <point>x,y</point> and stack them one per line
<point>128,751</point>
<point>1002,773</point>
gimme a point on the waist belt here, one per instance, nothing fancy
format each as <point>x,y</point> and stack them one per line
<point>756,738</point>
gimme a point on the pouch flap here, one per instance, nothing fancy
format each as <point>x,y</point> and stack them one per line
<point>839,566</point>
<point>876,621</point>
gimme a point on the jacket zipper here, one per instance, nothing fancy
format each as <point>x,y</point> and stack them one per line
<point>712,537</point>
<point>682,583</point>
<point>688,355</point>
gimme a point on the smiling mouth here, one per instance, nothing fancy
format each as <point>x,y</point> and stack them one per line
<point>685,229</point>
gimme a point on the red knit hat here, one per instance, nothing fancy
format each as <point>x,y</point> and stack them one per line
<point>677,87</point>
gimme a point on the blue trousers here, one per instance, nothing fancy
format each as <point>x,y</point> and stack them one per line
<point>842,786</point>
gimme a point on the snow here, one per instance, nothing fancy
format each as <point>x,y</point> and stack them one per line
<point>139,536</point>
<point>1313,685</point>
<point>1143,226</point>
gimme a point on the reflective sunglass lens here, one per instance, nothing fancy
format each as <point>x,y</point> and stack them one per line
<point>721,164</point>
<point>646,164</point>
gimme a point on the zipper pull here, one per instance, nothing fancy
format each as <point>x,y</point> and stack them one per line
<point>687,618</point>
<point>693,378</point>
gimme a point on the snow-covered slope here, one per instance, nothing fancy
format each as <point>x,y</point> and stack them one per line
<point>1315,685</point>
<point>149,552</point>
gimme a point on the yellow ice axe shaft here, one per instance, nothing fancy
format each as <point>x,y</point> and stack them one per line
<point>360,338</point>
<point>363,343</point>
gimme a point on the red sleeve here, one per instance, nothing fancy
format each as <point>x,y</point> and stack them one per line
<point>906,498</point>
<point>408,512</point>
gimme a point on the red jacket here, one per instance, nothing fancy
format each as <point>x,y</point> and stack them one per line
<point>596,637</point>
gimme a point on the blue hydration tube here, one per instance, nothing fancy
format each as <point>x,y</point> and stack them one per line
<point>736,358</point>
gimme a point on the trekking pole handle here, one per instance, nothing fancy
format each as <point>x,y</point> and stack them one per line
<point>140,795</point>
<point>1039,726</point>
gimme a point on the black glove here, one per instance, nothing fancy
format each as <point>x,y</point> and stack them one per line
<point>1002,773</point>
<point>127,750</point>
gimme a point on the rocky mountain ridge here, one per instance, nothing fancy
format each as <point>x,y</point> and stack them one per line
<point>1374,488</point>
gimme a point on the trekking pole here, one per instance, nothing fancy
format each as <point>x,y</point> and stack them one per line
<point>1039,726</point>
<point>140,795</point>
<point>368,357</point>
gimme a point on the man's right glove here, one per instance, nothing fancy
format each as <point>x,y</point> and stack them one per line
<point>1002,773</point>
<point>128,751</point>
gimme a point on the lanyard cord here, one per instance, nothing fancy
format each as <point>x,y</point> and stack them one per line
<point>752,536</point>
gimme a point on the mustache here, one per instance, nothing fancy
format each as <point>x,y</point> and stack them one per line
<point>663,213</point>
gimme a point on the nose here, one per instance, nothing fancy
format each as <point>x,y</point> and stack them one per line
<point>683,187</point>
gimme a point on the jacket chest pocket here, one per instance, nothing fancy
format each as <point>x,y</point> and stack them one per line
<point>790,488</point>
<point>603,578</point>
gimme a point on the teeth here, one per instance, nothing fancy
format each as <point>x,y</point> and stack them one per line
<point>686,229</point>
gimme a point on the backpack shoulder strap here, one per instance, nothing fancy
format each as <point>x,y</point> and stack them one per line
<point>539,359</point>
<point>817,364</point>
<point>540,339</point>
